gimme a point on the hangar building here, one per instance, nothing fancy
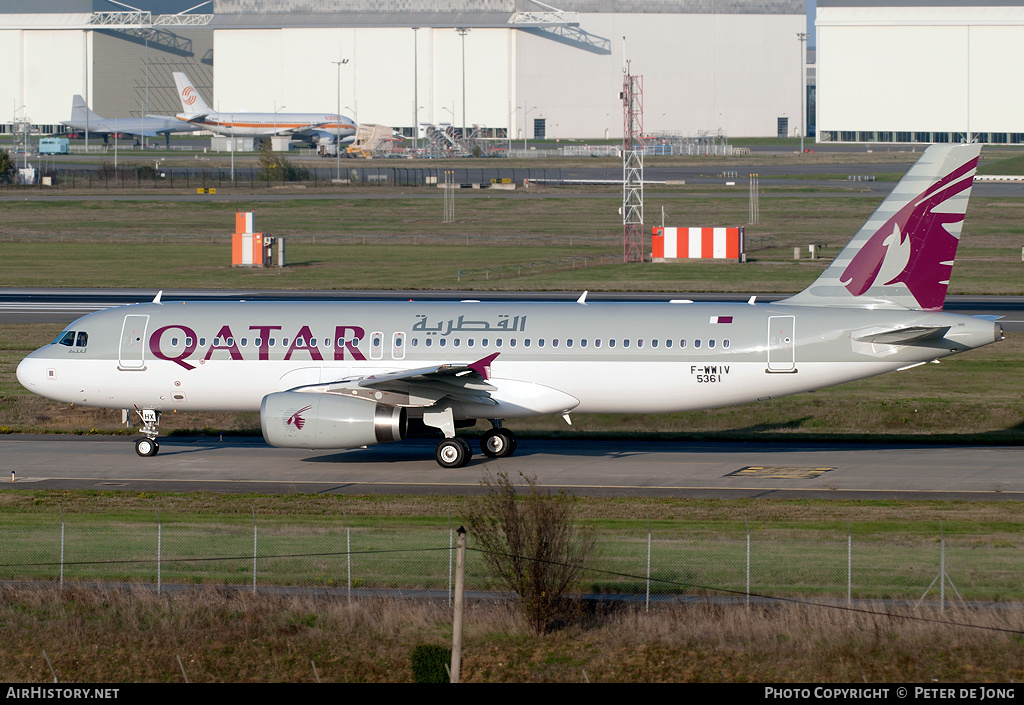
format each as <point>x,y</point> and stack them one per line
<point>919,71</point>
<point>516,66</point>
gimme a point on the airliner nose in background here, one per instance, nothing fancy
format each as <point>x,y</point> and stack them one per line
<point>316,128</point>
<point>347,374</point>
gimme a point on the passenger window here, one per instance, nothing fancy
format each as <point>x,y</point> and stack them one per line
<point>625,343</point>
<point>711,343</point>
<point>696,343</point>
<point>83,339</point>
<point>725,343</point>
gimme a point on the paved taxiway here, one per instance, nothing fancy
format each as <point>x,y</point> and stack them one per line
<point>597,468</point>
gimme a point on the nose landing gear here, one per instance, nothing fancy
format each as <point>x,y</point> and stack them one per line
<point>148,447</point>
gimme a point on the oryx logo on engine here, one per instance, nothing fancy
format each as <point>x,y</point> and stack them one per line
<point>296,419</point>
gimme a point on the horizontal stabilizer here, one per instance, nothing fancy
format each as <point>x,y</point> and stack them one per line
<point>905,336</point>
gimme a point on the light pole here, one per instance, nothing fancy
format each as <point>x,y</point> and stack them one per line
<point>275,125</point>
<point>526,123</point>
<point>462,33</point>
<point>511,127</point>
<point>415,90</point>
<point>802,36</point>
<point>337,138</point>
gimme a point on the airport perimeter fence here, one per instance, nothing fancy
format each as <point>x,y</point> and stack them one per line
<point>635,560</point>
<point>150,178</point>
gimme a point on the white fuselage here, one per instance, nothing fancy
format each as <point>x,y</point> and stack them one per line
<point>551,357</point>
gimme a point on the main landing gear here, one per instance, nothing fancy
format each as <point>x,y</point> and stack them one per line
<point>455,452</point>
<point>148,446</point>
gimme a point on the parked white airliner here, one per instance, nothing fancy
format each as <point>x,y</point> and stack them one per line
<point>342,375</point>
<point>317,128</point>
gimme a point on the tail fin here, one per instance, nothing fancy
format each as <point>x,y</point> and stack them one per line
<point>903,256</point>
<point>80,111</point>
<point>191,102</point>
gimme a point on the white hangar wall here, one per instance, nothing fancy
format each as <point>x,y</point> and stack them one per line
<point>919,72</point>
<point>738,73</point>
<point>43,68</point>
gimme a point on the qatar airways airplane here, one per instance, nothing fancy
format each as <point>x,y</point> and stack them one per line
<point>316,128</point>
<point>327,375</point>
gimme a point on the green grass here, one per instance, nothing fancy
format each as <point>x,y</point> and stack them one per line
<point>797,548</point>
<point>401,243</point>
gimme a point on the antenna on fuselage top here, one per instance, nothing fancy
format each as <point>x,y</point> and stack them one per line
<point>583,298</point>
<point>156,299</point>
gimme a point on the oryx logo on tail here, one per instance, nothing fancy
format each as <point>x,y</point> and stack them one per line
<point>902,257</point>
<point>916,246</point>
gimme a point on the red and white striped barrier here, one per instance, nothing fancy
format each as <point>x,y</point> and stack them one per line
<point>696,243</point>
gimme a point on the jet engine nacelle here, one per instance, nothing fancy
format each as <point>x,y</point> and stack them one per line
<point>322,137</point>
<point>317,421</point>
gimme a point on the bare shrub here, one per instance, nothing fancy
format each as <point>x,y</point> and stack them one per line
<point>532,545</point>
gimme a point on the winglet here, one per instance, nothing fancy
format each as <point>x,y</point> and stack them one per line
<point>483,365</point>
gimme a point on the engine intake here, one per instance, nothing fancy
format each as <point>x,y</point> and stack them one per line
<point>317,421</point>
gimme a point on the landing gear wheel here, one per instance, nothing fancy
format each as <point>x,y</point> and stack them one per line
<point>498,443</point>
<point>147,447</point>
<point>452,453</point>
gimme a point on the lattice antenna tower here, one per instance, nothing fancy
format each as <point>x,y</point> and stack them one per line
<point>632,166</point>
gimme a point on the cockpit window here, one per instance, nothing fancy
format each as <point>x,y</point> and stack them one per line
<point>66,338</point>
<point>82,340</point>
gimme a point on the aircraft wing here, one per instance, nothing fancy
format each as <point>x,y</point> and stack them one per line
<point>905,336</point>
<point>420,387</point>
<point>302,128</point>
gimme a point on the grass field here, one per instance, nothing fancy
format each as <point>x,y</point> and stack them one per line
<point>401,243</point>
<point>96,634</point>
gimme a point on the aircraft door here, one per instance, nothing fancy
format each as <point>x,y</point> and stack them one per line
<point>781,344</point>
<point>132,351</point>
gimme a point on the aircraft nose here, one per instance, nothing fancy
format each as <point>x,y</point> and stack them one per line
<point>31,372</point>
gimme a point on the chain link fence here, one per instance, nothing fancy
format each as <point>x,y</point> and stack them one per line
<point>928,561</point>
